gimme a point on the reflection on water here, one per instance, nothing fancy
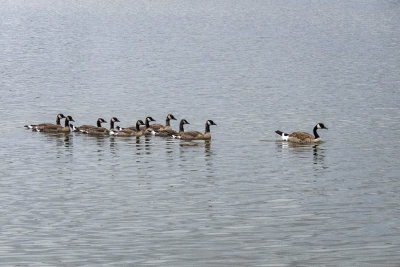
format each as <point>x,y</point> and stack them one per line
<point>314,152</point>
<point>61,139</point>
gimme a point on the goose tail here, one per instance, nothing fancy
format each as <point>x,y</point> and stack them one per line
<point>284,136</point>
<point>73,128</point>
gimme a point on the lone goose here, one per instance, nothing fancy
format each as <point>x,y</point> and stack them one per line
<point>47,124</point>
<point>84,128</point>
<point>158,127</point>
<point>54,128</point>
<point>195,135</point>
<point>170,132</point>
<point>303,137</point>
<point>129,131</point>
<point>101,130</point>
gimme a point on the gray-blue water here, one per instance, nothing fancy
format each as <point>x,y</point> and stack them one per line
<point>245,198</point>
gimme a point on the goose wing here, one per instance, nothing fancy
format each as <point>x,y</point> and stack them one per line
<point>301,137</point>
<point>166,132</point>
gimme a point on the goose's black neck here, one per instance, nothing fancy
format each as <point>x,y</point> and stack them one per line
<point>181,127</point>
<point>137,126</point>
<point>98,123</point>
<point>58,121</point>
<point>315,132</point>
<point>147,123</point>
<point>207,128</point>
<point>111,124</point>
<point>167,122</point>
<point>66,122</point>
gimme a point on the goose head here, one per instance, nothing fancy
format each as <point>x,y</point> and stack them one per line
<point>171,117</point>
<point>114,119</point>
<point>211,122</point>
<point>149,119</point>
<point>69,118</point>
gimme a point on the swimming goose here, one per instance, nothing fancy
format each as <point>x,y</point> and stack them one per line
<point>54,128</point>
<point>158,127</point>
<point>195,135</point>
<point>170,132</point>
<point>84,128</point>
<point>147,127</point>
<point>101,130</point>
<point>129,131</point>
<point>46,124</point>
<point>303,137</point>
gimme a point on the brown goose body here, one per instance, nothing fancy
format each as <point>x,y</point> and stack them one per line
<point>195,135</point>
<point>101,130</point>
<point>169,132</point>
<point>159,127</point>
<point>126,132</point>
<point>83,128</point>
<point>303,137</point>
<point>54,128</point>
<point>46,124</point>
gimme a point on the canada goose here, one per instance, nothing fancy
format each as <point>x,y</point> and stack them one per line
<point>54,128</point>
<point>302,137</point>
<point>158,127</point>
<point>46,124</point>
<point>129,131</point>
<point>195,135</point>
<point>101,130</point>
<point>84,128</point>
<point>170,132</point>
<point>147,127</point>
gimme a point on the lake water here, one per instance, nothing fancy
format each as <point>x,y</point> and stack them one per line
<point>245,198</point>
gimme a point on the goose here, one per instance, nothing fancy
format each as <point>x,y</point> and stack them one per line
<point>170,132</point>
<point>55,128</point>
<point>46,124</point>
<point>84,128</point>
<point>101,130</point>
<point>129,131</point>
<point>147,127</point>
<point>195,135</point>
<point>158,127</point>
<point>303,137</point>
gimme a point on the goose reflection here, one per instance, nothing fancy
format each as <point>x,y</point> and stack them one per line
<point>304,151</point>
<point>61,139</point>
<point>190,150</point>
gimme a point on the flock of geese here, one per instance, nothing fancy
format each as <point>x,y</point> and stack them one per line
<point>141,128</point>
<point>145,128</point>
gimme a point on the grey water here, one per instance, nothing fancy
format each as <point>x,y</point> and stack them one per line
<point>245,198</point>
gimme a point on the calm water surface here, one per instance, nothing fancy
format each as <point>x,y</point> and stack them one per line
<point>242,199</point>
